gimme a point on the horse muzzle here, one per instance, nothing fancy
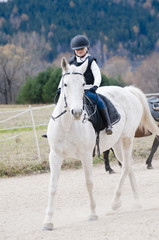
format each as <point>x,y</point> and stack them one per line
<point>77,113</point>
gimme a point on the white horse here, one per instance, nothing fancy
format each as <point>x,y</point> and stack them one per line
<point>70,137</point>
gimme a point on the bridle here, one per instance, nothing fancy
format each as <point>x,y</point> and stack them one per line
<point>65,100</point>
<point>85,119</point>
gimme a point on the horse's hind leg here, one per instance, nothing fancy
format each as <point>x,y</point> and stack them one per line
<point>106,162</point>
<point>153,150</point>
<point>87,165</point>
<point>55,167</point>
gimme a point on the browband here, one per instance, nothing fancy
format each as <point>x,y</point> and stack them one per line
<point>72,73</point>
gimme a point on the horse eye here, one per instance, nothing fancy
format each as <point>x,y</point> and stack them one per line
<point>65,84</point>
<point>84,84</point>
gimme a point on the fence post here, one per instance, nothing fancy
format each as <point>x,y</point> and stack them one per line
<point>36,138</point>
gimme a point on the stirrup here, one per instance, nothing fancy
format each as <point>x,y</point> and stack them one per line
<point>108,130</point>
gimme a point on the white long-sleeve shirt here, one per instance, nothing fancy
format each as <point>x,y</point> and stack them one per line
<point>95,71</point>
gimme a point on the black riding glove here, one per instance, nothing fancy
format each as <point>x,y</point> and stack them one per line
<point>58,91</point>
<point>93,89</point>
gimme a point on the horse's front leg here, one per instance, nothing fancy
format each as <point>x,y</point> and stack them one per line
<point>87,165</point>
<point>124,155</point>
<point>55,167</point>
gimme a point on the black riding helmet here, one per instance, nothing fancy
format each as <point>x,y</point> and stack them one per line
<point>79,41</point>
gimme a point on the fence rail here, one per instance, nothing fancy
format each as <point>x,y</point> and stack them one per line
<point>152,94</point>
<point>28,118</point>
<point>17,119</point>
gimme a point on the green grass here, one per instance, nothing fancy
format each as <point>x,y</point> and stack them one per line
<point>18,130</point>
<point>15,169</point>
<point>19,154</point>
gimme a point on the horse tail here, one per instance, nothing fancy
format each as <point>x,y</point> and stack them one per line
<point>147,122</point>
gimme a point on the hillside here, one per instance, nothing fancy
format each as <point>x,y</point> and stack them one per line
<point>123,27</point>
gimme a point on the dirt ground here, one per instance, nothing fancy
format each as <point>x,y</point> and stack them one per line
<point>23,202</point>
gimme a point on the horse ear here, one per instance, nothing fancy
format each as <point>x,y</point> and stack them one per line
<point>83,67</point>
<point>64,64</point>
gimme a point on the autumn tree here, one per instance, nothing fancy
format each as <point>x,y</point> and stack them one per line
<point>12,60</point>
<point>35,48</point>
<point>146,76</point>
<point>116,67</point>
<point>24,57</point>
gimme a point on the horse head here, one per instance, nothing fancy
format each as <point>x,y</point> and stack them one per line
<point>73,87</point>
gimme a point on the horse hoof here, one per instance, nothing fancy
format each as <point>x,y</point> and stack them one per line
<point>111,172</point>
<point>48,227</point>
<point>93,217</point>
<point>116,205</point>
<point>149,167</point>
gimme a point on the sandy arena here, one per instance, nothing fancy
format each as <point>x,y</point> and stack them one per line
<point>23,202</point>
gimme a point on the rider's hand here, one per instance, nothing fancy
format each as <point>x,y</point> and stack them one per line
<point>58,91</point>
<point>93,89</point>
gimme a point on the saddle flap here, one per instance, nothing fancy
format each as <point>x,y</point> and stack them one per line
<point>113,113</point>
<point>94,113</point>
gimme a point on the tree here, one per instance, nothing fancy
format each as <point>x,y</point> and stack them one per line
<point>41,88</point>
<point>109,81</point>
<point>50,88</point>
<point>116,66</point>
<point>36,49</point>
<point>25,93</point>
<point>19,63</point>
<point>12,60</point>
<point>146,75</point>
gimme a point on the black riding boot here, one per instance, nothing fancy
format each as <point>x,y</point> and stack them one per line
<point>105,116</point>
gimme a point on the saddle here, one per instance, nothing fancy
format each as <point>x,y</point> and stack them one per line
<point>154,107</point>
<point>94,114</point>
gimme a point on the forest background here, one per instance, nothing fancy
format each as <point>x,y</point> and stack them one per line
<point>34,35</point>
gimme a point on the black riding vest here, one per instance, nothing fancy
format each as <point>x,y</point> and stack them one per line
<point>89,78</point>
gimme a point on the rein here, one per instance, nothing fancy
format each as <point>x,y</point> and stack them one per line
<point>95,109</point>
<point>54,118</point>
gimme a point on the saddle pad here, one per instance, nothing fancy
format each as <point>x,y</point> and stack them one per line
<point>113,113</point>
<point>94,113</point>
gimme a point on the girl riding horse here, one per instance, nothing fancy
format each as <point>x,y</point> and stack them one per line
<point>80,46</point>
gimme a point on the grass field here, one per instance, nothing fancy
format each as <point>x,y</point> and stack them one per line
<point>19,153</point>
